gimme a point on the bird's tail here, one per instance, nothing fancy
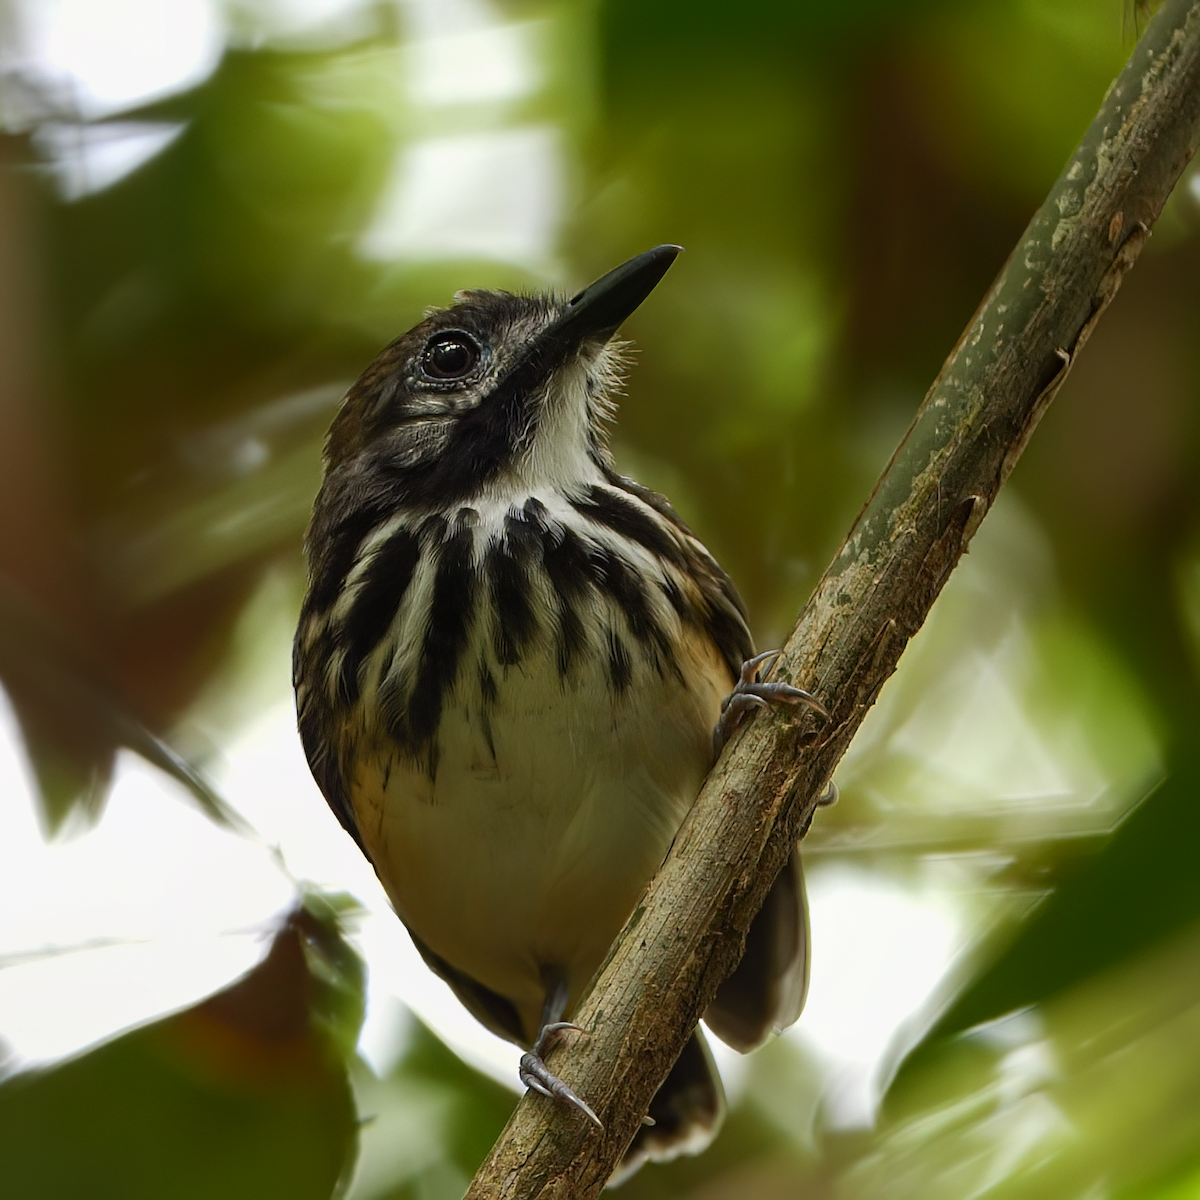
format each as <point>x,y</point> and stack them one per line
<point>687,1112</point>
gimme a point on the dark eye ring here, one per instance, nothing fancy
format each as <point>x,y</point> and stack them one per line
<point>450,354</point>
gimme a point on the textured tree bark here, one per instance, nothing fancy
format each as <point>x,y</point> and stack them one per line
<point>689,930</point>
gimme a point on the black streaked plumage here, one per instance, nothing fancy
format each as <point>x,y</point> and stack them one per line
<point>451,615</point>
<point>569,567</point>
<point>620,580</point>
<point>510,563</point>
<point>342,539</point>
<point>676,598</point>
<point>549,646</point>
<point>620,514</point>
<point>724,620</point>
<point>487,686</point>
<point>620,668</point>
<point>571,638</point>
<point>384,583</point>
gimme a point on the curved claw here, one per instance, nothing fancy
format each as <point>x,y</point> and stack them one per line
<point>549,1035</point>
<point>535,1074</point>
<point>783,693</point>
<point>748,694</point>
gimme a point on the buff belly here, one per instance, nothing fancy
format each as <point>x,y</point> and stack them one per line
<point>524,852</point>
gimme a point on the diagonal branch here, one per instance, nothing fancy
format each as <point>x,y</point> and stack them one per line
<point>689,930</point>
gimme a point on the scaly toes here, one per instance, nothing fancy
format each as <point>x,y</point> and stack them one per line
<point>748,694</point>
<point>535,1074</point>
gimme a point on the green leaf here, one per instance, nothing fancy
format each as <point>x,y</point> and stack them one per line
<point>243,1096</point>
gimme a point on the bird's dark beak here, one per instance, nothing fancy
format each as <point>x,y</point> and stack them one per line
<point>591,316</point>
<point>596,312</point>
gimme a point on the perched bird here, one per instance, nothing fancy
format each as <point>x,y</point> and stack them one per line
<point>514,667</point>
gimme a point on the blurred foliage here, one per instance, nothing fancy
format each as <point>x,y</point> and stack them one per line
<point>244,1095</point>
<point>847,179</point>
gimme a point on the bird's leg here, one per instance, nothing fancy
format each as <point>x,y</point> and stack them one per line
<point>748,694</point>
<point>533,1070</point>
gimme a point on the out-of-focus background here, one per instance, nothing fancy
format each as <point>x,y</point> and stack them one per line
<point>214,212</point>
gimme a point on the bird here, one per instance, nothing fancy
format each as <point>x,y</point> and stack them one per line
<point>513,669</point>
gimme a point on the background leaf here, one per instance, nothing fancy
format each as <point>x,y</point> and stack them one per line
<point>194,271</point>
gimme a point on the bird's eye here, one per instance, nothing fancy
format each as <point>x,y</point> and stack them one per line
<point>450,355</point>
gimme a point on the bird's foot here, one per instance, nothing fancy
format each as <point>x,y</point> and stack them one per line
<point>535,1074</point>
<point>749,694</point>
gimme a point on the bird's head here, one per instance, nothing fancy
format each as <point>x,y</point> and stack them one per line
<point>496,390</point>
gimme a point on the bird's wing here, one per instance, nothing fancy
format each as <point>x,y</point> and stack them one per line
<point>487,1007</point>
<point>766,992</point>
